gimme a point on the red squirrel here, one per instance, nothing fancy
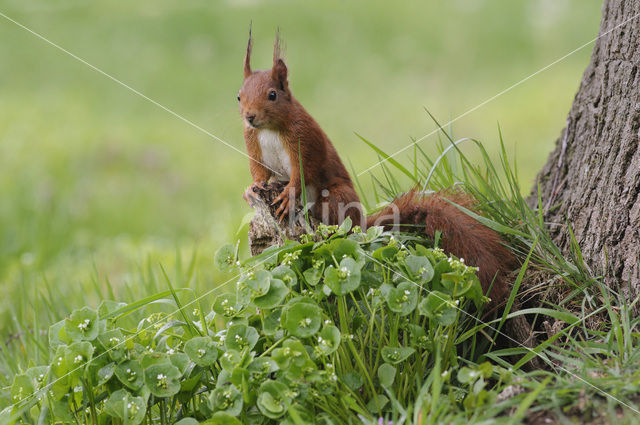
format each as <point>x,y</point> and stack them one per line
<point>278,131</point>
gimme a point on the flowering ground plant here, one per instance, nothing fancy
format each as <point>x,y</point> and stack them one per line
<point>349,329</point>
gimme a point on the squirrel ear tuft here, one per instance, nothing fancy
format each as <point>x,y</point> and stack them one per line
<point>247,58</point>
<point>279,70</point>
<point>279,73</point>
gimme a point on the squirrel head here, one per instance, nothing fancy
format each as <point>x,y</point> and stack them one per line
<point>265,99</point>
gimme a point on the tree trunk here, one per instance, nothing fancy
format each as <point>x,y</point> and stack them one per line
<point>592,178</point>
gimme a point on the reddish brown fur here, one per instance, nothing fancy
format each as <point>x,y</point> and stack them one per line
<point>461,235</point>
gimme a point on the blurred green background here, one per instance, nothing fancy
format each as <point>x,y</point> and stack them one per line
<point>98,186</point>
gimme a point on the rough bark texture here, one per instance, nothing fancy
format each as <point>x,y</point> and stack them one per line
<point>592,178</point>
<point>264,228</point>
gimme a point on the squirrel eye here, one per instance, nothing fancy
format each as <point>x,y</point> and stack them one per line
<point>238,98</point>
<point>272,95</point>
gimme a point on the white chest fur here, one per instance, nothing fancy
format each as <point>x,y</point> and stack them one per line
<point>274,155</point>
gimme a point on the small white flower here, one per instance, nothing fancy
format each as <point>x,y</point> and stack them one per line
<point>83,326</point>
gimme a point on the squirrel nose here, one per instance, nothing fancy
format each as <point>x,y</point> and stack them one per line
<point>250,118</point>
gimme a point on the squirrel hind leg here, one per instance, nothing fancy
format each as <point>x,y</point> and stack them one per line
<point>336,203</point>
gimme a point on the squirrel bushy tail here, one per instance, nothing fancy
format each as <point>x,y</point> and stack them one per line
<point>461,235</point>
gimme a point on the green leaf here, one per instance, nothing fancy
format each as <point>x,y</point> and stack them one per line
<point>227,399</point>
<point>342,248</point>
<point>418,336</point>
<point>77,356</point>
<point>21,388</point>
<point>374,232</point>
<point>272,323</point>
<point>150,359</point>
<point>82,325</point>
<point>302,319</point>
<point>467,375</point>
<point>112,341</point>
<point>343,279</point>
<point>328,340</point>
<point>225,258</point>
<point>293,358</point>
<point>126,407</point>
<point>190,383</point>
<point>385,253</point>
<point>105,373</point>
<point>276,294</point>
<point>131,374</point>
<point>456,284</point>
<point>37,375</point>
<point>55,332</point>
<point>272,399</point>
<point>420,268</point>
<point>386,375</point>
<point>107,307</point>
<point>226,305</point>
<point>262,366</point>
<point>395,355</point>
<point>187,421</point>
<point>345,226</point>
<point>353,380</point>
<point>201,350</point>
<point>61,411</point>
<point>313,276</point>
<point>221,418</point>
<point>240,337</point>
<point>403,299</point>
<point>180,360</point>
<point>253,284</point>
<point>285,274</point>
<point>382,402</point>
<point>230,360</point>
<point>439,306</point>
<point>59,365</point>
<point>163,380</point>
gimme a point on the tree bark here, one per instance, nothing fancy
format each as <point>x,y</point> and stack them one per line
<point>592,178</point>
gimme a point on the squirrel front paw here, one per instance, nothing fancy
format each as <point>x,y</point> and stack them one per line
<point>250,195</point>
<point>287,205</point>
